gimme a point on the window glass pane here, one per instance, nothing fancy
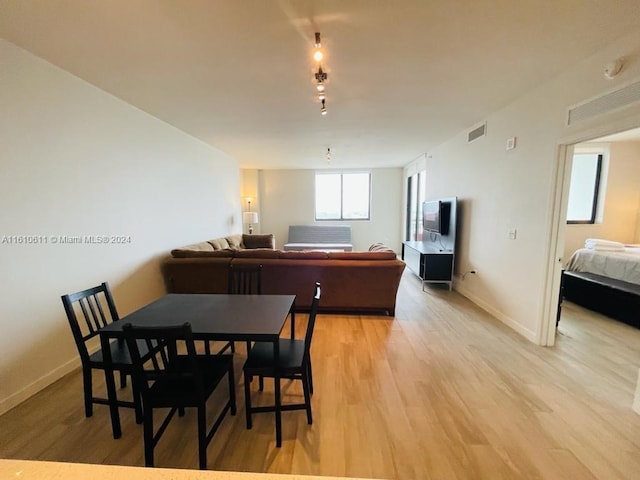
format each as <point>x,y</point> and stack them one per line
<point>582,191</point>
<point>413,207</point>
<point>327,196</point>
<point>355,196</point>
<point>342,196</point>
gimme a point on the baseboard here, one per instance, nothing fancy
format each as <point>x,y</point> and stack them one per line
<point>525,332</point>
<point>16,398</point>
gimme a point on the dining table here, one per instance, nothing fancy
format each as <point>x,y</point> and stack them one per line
<point>213,317</point>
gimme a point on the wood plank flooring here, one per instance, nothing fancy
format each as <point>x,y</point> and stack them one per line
<point>443,391</point>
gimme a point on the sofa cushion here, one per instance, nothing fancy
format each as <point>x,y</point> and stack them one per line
<point>382,255</point>
<point>259,241</point>
<point>222,253</point>
<point>219,243</point>
<point>257,253</point>
<point>304,254</point>
<point>235,241</point>
<point>194,247</point>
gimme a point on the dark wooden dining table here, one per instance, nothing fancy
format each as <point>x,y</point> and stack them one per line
<point>213,317</point>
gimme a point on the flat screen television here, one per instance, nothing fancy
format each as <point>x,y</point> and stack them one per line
<point>435,216</point>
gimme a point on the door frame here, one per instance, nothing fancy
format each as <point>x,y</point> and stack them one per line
<point>546,331</point>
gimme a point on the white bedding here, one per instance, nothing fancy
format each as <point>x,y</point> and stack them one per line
<point>623,265</point>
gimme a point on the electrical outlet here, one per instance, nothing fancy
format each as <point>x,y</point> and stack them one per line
<point>513,234</point>
<point>511,143</point>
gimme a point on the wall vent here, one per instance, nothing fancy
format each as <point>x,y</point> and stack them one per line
<point>476,133</point>
<point>623,97</point>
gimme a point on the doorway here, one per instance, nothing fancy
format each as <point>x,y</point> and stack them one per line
<point>605,134</point>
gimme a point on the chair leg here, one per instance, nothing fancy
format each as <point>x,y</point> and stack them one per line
<point>181,411</point>
<point>233,347</point>
<point>276,382</point>
<point>137,403</point>
<point>307,395</point>
<point>148,436</point>
<point>232,388</point>
<point>207,348</point>
<point>202,436</point>
<point>247,399</point>
<point>310,376</point>
<point>87,382</point>
<point>123,379</point>
<point>261,383</point>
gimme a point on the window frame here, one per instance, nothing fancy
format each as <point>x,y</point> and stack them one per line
<point>342,218</point>
<point>596,190</point>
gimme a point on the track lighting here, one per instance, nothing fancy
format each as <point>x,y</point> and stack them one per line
<point>320,75</point>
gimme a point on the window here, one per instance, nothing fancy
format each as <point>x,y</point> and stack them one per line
<point>343,196</point>
<point>416,188</point>
<point>583,191</point>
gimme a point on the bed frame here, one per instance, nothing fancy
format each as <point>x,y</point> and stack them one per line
<point>611,297</point>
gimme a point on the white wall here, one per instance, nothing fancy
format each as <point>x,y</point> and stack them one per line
<point>500,190</point>
<point>77,161</point>
<point>287,198</point>
<point>621,206</point>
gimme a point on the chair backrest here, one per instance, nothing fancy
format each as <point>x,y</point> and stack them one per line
<point>158,364</point>
<point>88,311</point>
<point>245,279</point>
<point>312,318</point>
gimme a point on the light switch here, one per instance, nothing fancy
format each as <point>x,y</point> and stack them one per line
<point>511,143</point>
<point>513,233</point>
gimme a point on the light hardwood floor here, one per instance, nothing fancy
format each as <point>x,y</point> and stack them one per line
<point>443,391</point>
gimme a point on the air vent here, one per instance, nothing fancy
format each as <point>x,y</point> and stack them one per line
<point>620,98</point>
<point>476,133</point>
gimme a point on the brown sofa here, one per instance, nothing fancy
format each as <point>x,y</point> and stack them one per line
<point>364,282</point>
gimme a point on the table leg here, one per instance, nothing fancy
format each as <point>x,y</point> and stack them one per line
<point>111,386</point>
<point>276,381</point>
<point>292,312</point>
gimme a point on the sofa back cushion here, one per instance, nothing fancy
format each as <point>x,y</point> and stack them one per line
<point>259,241</point>
<point>304,254</point>
<point>194,247</point>
<point>257,253</point>
<point>235,241</point>
<point>219,243</point>
<point>183,253</point>
<point>381,255</point>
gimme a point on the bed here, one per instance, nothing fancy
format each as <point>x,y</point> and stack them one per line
<point>605,278</point>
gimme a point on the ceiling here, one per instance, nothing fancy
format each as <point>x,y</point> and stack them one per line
<point>404,76</point>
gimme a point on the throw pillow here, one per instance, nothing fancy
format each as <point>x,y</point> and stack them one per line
<point>259,241</point>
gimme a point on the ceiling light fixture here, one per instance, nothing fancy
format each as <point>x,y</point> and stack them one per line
<point>318,54</point>
<point>320,75</point>
<point>328,155</point>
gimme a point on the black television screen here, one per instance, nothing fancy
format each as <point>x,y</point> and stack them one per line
<point>435,217</point>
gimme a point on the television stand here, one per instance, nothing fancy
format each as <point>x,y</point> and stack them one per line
<point>429,262</point>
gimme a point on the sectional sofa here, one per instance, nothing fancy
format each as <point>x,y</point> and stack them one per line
<point>352,282</point>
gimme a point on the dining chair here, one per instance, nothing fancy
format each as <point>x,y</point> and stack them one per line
<point>293,362</point>
<point>243,279</point>
<point>87,312</point>
<point>170,378</point>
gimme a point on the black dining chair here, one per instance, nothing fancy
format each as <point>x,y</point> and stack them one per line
<point>293,362</point>
<point>243,279</point>
<point>172,379</point>
<point>87,312</point>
